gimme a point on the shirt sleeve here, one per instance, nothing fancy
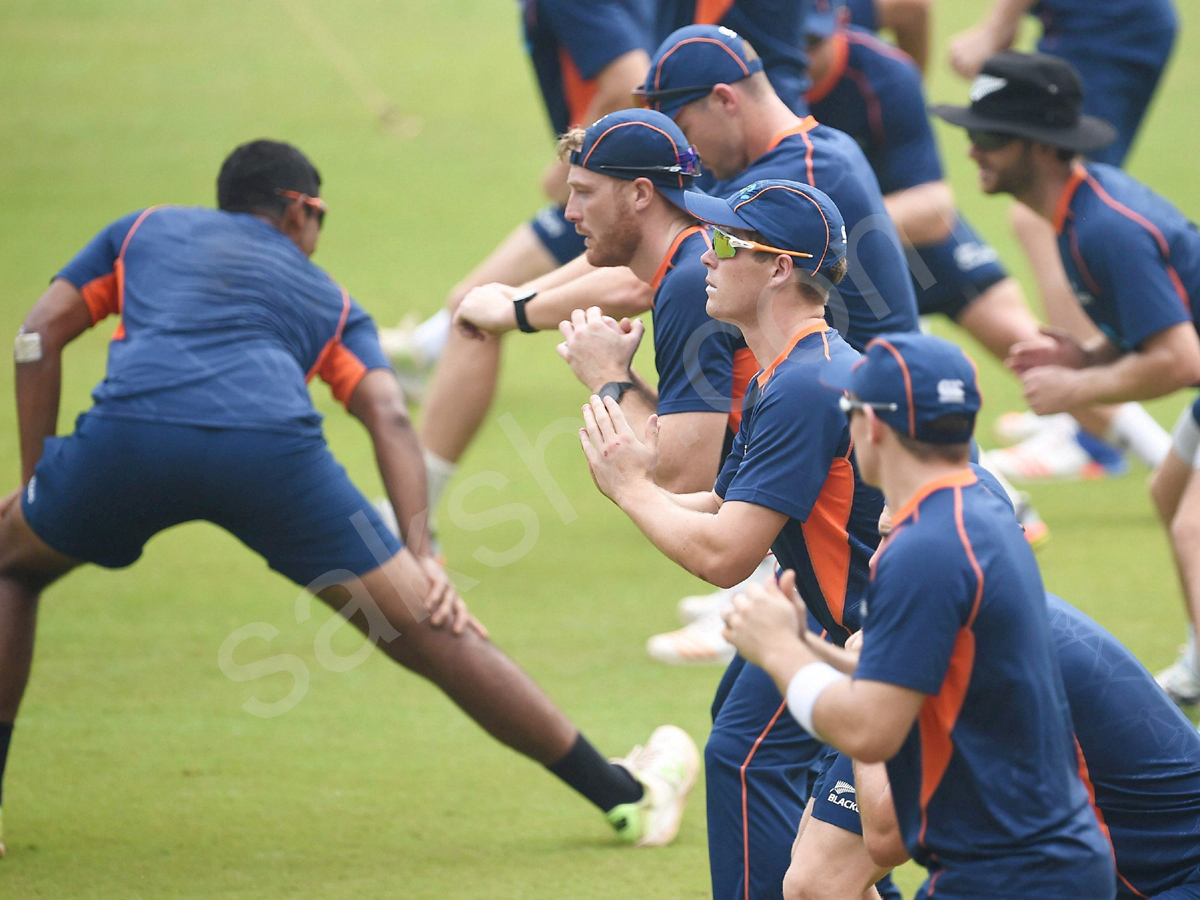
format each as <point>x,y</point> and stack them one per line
<point>92,271</point>
<point>734,460</point>
<point>353,355</point>
<point>1134,275</point>
<point>790,447</point>
<point>595,32</point>
<point>692,351</point>
<point>910,155</point>
<point>914,613</point>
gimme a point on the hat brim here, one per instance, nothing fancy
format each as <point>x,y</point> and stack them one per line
<point>677,196</point>
<point>1089,135</point>
<point>714,211</point>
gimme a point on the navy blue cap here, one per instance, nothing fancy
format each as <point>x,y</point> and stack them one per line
<point>912,380</point>
<point>693,60</point>
<point>823,19</point>
<point>640,143</point>
<point>789,215</point>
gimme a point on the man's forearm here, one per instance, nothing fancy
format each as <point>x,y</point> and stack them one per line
<point>402,467</point>
<point>688,536</point>
<point>1132,377</point>
<point>39,388</point>
<point>1004,19</point>
<point>616,290</point>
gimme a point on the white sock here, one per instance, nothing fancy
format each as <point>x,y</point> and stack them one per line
<point>1135,430</point>
<point>1191,658</point>
<point>438,473</point>
<point>431,335</point>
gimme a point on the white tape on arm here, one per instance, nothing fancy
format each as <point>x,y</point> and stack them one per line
<point>804,688</point>
<point>27,348</point>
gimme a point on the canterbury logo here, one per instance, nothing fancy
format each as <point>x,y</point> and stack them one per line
<point>951,390</point>
<point>985,85</point>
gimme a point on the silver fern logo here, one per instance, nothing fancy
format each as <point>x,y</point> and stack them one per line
<point>986,85</point>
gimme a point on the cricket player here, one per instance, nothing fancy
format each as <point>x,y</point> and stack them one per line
<point>204,415</point>
<point>1139,757</point>
<point>629,172</point>
<point>958,679</point>
<point>1120,49</point>
<point>1027,130</point>
<point>867,89</point>
<point>788,485</point>
<point>587,56</point>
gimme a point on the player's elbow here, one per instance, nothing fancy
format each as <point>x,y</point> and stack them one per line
<point>729,568</point>
<point>379,403</point>
<point>884,845</point>
<point>865,742</point>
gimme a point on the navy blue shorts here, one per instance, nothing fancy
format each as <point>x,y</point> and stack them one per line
<point>835,802</point>
<point>100,493</point>
<point>951,275</point>
<point>1118,91</point>
<point>760,766</point>
<point>559,235</point>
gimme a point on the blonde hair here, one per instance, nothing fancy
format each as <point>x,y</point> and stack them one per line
<point>569,143</point>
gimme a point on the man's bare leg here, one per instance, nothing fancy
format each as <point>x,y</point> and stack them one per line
<point>503,700</point>
<point>27,567</point>
<point>830,863</point>
<point>464,381</point>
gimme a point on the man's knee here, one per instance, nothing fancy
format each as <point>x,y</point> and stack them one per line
<point>1185,534</point>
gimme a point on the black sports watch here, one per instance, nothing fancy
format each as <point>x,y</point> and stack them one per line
<point>615,389</point>
<point>519,302</point>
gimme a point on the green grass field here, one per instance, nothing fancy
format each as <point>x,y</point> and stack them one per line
<point>135,770</point>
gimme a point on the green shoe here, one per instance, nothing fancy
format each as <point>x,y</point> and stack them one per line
<point>667,768</point>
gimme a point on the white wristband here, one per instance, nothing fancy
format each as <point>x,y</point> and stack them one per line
<point>804,689</point>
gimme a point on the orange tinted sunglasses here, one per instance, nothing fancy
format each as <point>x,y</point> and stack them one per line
<point>315,203</point>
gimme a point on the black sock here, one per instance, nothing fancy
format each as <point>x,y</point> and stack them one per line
<point>606,785</point>
<point>5,736</point>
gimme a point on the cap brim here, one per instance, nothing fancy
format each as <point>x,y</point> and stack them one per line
<point>677,196</point>
<point>1089,135</point>
<point>714,211</point>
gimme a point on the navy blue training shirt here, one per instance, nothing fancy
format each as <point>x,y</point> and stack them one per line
<point>223,321</point>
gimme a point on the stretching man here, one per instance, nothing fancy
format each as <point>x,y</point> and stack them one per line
<point>204,415</point>
<point>1026,136</point>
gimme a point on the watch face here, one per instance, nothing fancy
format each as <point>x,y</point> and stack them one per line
<point>524,295</point>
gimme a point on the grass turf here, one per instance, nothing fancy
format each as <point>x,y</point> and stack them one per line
<point>135,770</point>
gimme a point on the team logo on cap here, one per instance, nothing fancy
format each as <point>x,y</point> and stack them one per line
<point>951,390</point>
<point>985,85</point>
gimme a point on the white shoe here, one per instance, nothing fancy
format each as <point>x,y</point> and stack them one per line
<point>1052,454</point>
<point>697,644</point>
<point>1014,427</point>
<point>667,767</point>
<point>1180,683</point>
<point>699,606</point>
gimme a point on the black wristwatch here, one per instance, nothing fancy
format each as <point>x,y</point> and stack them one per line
<point>519,302</point>
<point>615,389</point>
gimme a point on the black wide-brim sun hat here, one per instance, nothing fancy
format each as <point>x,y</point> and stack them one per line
<point>1035,96</point>
<point>1088,135</point>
